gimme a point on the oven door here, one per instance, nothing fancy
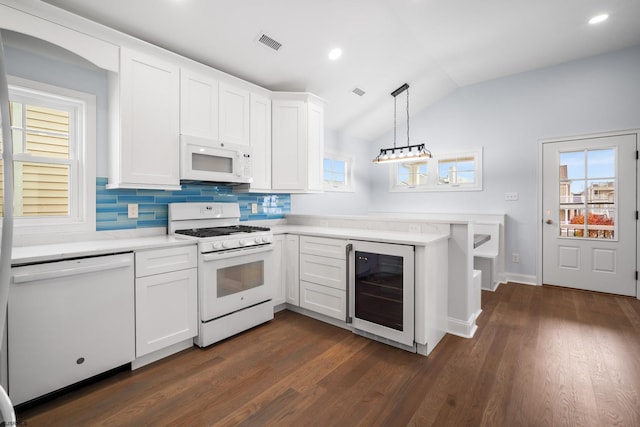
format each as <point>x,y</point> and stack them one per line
<point>229,281</point>
<point>381,289</point>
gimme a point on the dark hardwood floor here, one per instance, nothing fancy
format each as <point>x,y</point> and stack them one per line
<point>542,356</point>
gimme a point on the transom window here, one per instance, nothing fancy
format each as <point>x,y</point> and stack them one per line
<point>54,164</point>
<point>443,172</point>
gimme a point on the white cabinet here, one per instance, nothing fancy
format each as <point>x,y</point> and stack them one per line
<point>166,298</point>
<point>323,276</point>
<point>292,270</point>
<point>285,269</point>
<point>298,142</point>
<point>198,104</point>
<point>278,296</point>
<point>261,142</point>
<point>233,114</point>
<point>144,113</point>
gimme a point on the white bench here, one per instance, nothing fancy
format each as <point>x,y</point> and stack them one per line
<point>485,256</point>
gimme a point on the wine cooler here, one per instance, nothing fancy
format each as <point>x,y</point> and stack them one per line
<point>381,290</point>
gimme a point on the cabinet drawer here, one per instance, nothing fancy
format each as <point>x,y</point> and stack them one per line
<point>164,260</point>
<point>323,299</point>
<point>333,248</point>
<point>324,271</point>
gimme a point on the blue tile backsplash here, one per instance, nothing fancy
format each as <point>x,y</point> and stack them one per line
<point>111,205</point>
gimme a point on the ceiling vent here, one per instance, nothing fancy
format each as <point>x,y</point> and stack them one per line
<point>269,42</point>
<point>358,91</point>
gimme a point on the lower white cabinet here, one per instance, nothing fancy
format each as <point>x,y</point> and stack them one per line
<point>278,295</point>
<point>323,276</point>
<point>323,299</point>
<point>292,270</point>
<point>285,270</point>
<point>166,298</point>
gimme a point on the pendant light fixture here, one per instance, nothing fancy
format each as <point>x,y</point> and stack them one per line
<point>406,153</point>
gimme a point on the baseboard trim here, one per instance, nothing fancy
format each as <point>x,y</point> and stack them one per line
<point>161,354</point>
<point>525,279</point>
<point>461,328</point>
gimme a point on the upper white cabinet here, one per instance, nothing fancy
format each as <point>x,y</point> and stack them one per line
<point>298,142</point>
<point>144,114</point>
<point>198,104</point>
<point>260,142</point>
<point>233,115</point>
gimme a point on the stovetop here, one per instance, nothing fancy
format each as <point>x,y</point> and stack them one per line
<point>220,231</point>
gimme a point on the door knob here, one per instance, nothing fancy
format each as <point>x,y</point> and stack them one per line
<point>549,221</point>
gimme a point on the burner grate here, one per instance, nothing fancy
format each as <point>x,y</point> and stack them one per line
<point>220,231</point>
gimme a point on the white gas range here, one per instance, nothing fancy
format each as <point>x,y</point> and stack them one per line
<point>234,268</point>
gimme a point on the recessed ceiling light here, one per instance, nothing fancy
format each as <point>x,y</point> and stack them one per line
<point>599,18</point>
<point>335,53</point>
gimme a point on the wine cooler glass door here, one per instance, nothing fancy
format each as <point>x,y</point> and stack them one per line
<point>382,290</point>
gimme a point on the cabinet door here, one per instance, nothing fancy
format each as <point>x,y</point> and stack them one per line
<point>149,122</point>
<point>166,310</point>
<point>198,104</point>
<point>289,145</point>
<point>234,110</point>
<point>279,270</point>
<point>261,142</point>
<point>292,278</point>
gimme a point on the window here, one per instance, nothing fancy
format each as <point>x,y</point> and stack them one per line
<point>443,172</point>
<point>337,173</point>
<point>53,132</point>
<point>588,191</point>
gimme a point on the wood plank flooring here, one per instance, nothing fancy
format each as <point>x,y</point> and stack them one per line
<point>542,356</point>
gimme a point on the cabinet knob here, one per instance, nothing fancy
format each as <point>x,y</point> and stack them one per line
<point>549,221</point>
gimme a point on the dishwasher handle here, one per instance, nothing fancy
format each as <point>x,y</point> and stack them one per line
<point>32,276</point>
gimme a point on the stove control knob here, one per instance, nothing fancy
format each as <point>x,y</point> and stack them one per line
<point>217,245</point>
<point>226,244</point>
<point>266,239</point>
<point>242,242</point>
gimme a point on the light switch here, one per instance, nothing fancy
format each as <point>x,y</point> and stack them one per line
<point>132,210</point>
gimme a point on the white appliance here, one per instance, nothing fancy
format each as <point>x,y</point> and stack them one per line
<point>234,268</point>
<point>213,161</point>
<point>381,290</point>
<point>68,321</point>
<point>6,243</point>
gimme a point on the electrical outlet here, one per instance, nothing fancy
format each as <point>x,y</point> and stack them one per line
<point>254,208</point>
<point>511,197</point>
<point>515,257</point>
<point>132,210</point>
<point>414,228</point>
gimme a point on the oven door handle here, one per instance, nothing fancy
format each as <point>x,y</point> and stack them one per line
<point>216,256</point>
<point>348,319</point>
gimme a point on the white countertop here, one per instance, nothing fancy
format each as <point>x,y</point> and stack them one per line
<point>59,251</point>
<point>398,237</point>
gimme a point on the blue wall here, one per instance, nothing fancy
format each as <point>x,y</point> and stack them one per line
<point>111,205</point>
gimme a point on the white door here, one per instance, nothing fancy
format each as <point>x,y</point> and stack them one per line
<point>593,179</point>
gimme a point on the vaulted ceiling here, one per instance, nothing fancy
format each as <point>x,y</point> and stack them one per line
<point>436,46</point>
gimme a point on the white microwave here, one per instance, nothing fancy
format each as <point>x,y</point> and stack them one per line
<point>214,161</point>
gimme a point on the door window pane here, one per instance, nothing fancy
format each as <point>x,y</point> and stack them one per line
<point>587,194</point>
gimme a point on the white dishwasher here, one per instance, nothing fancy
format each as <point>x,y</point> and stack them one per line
<point>68,321</point>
